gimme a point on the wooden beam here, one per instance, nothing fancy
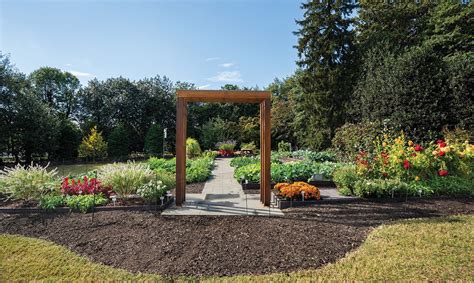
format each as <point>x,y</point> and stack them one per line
<point>238,96</point>
<point>265,151</point>
<point>181,120</point>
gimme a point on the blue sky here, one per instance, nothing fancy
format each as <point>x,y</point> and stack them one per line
<point>206,42</point>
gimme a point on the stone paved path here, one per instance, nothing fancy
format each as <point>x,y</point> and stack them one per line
<point>223,195</point>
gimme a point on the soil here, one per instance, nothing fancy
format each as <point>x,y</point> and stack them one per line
<point>194,188</point>
<point>306,237</point>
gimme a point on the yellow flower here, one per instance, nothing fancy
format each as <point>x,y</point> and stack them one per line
<point>435,152</point>
<point>417,178</point>
<point>447,149</point>
<point>410,143</point>
<point>401,152</point>
<point>384,144</point>
<point>385,136</point>
<point>398,141</point>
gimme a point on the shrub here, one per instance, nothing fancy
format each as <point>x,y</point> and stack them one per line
<point>28,183</point>
<point>83,186</point>
<point>125,178</point>
<point>51,201</point>
<point>154,141</point>
<point>199,170</point>
<point>294,191</point>
<point>152,190</point>
<point>118,143</point>
<point>168,165</point>
<point>345,178</point>
<point>85,203</point>
<point>93,145</point>
<point>226,145</point>
<point>249,146</point>
<point>350,139</point>
<point>192,148</point>
<point>210,154</point>
<point>249,172</point>
<point>167,179</point>
<point>284,146</point>
<point>244,160</point>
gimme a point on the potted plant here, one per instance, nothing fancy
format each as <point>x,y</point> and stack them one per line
<point>226,148</point>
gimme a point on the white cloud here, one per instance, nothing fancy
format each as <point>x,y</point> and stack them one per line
<point>227,65</point>
<point>229,77</point>
<point>69,64</point>
<point>204,86</point>
<point>212,58</point>
<point>80,74</point>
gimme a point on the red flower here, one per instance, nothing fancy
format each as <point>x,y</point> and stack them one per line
<point>413,154</point>
<point>441,153</point>
<point>442,172</point>
<point>441,143</point>
<point>418,147</point>
<point>406,164</point>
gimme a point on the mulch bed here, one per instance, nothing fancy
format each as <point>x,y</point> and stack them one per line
<point>306,237</point>
<point>194,188</point>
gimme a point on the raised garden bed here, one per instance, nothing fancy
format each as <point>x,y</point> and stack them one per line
<point>128,206</point>
<point>329,195</point>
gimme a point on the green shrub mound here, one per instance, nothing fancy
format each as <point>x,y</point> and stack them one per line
<point>197,169</point>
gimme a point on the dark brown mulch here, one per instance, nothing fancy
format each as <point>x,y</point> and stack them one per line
<point>194,188</point>
<point>223,245</point>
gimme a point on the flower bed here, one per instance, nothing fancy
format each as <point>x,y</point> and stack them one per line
<point>401,167</point>
<point>112,185</point>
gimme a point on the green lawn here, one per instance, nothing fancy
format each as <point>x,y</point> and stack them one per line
<point>76,169</point>
<point>426,249</point>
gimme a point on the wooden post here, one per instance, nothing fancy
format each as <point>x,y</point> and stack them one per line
<point>181,120</point>
<point>265,152</point>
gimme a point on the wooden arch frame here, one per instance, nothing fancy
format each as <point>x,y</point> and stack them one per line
<point>261,97</point>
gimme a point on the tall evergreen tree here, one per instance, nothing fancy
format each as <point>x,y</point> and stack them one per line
<point>325,49</point>
<point>154,141</point>
<point>118,143</point>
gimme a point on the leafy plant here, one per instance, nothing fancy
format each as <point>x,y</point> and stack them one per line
<point>192,148</point>
<point>167,179</point>
<point>284,146</point>
<point>226,145</point>
<point>51,201</point>
<point>249,146</point>
<point>199,170</point>
<point>93,145</point>
<point>345,178</point>
<point>85,203</point>
<point>125,178</point>
<point>244,160</point>
<point>28,183</point>
<point>152,190</point>
<point>84,186</point>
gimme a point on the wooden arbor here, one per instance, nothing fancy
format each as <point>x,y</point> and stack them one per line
<point>261,97</point>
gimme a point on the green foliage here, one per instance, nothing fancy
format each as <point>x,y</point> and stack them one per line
<point>250,172</point>
<point>68,141</point>
<point>345,178</point>
<point>152,190</point>
<point>199,170</point>
<point>284,146</point>
<point>27,183</point>
<point>249,146</point>
<point>93,145</point>
<point>350,139</point>
<point>168,165</point>
<point>457,186</point>
<point>192,148</point>
<point>125,178</point>
<point>154,141</point>
<point>56,88</point>
<point>381,188</point>
<point>51,201</point>
<point>249,129</point>
<point>244,160</point>
<point>215,130</point>
<point>167,179</point>
<point>85,203</point>
<point>325,51</point>
<point>118,143</point>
